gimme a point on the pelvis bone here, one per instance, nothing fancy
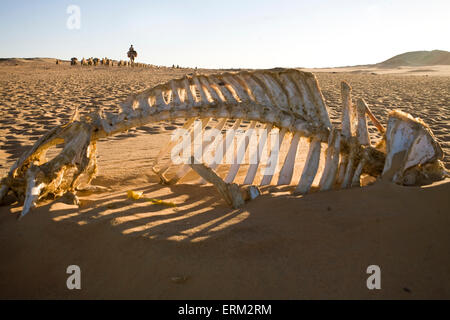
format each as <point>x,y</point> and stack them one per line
<point>287,100</point>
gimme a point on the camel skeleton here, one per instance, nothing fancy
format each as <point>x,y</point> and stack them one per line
<point>285,99</point>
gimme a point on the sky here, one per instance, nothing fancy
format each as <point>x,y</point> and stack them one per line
<point>226,34</point>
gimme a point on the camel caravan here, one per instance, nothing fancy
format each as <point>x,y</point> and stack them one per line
<point>105,62</point>
<point>132,54</point>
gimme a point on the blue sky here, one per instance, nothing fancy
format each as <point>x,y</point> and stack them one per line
<point>224,34</point>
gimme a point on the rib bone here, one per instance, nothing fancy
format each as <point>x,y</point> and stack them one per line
<point>173,142</point>
<point>224,148</point>
<point>184,170</point>
<point>287,170</point>
<point>195,132</point>
<point>362,132</point>
<point>251,173</point>
<point>332,161</point>
<point>239,156</point>
<point>273,159</point>
<point>311,166</point>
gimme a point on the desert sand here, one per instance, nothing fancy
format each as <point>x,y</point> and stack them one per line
<point>278,246</point>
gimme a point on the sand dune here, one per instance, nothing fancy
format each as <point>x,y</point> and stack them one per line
<point>417,58</point>
<point>436,62</point>
<point>23,61</point>
<point>278,246</point>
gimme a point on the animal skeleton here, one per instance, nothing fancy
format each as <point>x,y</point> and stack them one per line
<point>288,99</point>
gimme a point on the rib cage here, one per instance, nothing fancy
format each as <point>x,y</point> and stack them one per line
<point>287,99</point>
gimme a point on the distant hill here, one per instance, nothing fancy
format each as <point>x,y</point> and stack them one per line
<point>22,61</point>
<point>417,58</point>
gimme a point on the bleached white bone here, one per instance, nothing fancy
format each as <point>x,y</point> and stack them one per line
<point>223,90</point>
<point>362,132</point>
<point>227,145</point>
<point>311,165</point>
<point>229,191</point>
<point>342,168</point>
<point>348,121</point>
<point>349,170</point>
<point>296,102</point>
<point>164,109</point>
<point>332,161</point>
<point>399,137</point>
<point>274,91</point>
<point>287,170</point>
<point>273,159</point>
<point>188,96</point>
<point>195,132</point>
<point>240,153</point>
<point>253,168</point>
<point>421,151</point>
<point>223,147</point>
<point>173,142</point>
<point>200,89</point>
<point>259,93</point>
<point>319,101</point>
<point>374,120</point>
<point>33,191</point>
<point>184,170</point>
<point>409,142</point>
<point>176,98</point>
<point>239,90</point>
<point>349,130</point>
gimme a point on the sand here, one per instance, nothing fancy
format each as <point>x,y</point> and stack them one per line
<point>278,246</point>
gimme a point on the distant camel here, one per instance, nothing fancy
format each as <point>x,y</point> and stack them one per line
<point>73,61</point>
